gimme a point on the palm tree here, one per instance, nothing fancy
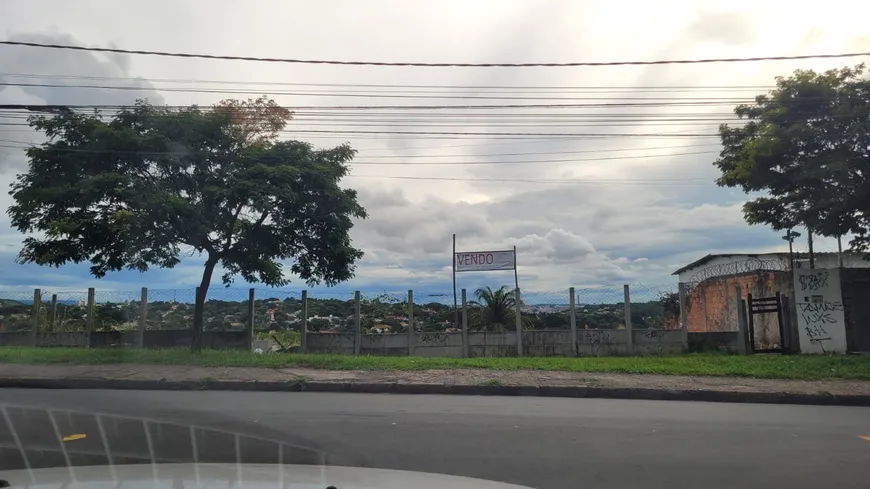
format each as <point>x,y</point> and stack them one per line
<point>494,310</point>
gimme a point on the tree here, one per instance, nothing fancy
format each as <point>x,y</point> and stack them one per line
<point>494,310</point>
<point>805,144</point>
<point>131,190</point>
<point>108,317</point>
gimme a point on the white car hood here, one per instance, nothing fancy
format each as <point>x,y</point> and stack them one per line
<point>237,476</point>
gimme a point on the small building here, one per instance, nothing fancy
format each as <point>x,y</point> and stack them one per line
<point>711,306</point>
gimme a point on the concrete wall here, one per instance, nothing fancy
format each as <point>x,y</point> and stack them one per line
<point>657,341</point>
<point>153,339</point>
<point>75,338</point>
<point>482,344</point>
<point>17,338</point>
<point>601,342</point>
<point>855,285</point>
<point>590,342</point>
<point>727,341</point>
<point>381,344</point>
<point>338,343</point>
<point>546,343</point>
<point>820,317</point>
<point>437,344</point>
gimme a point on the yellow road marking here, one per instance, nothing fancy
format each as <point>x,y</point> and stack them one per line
<point>865,438</point>
<point>75,437</point>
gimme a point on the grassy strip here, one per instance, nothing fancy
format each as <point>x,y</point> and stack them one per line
<point>759,366</point>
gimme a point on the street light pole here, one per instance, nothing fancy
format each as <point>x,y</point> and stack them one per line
<point>790,237</point>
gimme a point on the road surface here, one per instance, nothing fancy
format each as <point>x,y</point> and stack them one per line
<point>538,442</point>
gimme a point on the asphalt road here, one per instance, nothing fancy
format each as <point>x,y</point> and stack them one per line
<point>538,442</point>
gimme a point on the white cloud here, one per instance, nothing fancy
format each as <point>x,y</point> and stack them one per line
<point>633,220</point>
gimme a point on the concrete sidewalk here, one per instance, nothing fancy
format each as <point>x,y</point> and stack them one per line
<point>459,381</point>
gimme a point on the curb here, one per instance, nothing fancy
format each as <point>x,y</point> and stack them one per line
<point>577,392</point>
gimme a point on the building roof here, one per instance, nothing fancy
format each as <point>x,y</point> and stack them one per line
<point>709,258</point>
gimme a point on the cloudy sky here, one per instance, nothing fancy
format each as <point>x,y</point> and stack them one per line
<point>626,208</point>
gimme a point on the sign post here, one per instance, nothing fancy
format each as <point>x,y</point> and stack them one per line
<point>455,307</point>
<point>481,261</point>
<point>516,279</point>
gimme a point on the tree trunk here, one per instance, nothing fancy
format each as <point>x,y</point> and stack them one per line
<point>199,304</point>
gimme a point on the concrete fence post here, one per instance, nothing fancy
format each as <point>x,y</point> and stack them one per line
<point>357,324</point>
<point>34,326</point>
<point>53,317</point>
<point>465,346</point>
<point>92,312</point>
<point>143,318</point>
<point>519,319</point>
<point>684,315</point>
<point>572,319</point>
<point>411,344</point>
<point>303,330</point>
<point>252,295</point>
<point>741,321</point>
<point>629,342</point>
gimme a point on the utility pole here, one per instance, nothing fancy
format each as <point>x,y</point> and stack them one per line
<point>810,244</point>
<point>839,252</point>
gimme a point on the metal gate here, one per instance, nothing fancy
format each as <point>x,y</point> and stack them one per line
<point>765,305</point>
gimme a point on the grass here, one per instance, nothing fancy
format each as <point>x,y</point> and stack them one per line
<point>760,366</point>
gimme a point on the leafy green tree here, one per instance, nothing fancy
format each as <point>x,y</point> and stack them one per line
<point>559,320</point>
<point>318,324</point>
<point>805,145</point>
<point>132,189</point>
<point>108,317</point>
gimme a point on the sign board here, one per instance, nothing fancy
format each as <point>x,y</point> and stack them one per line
<point>479,261</point>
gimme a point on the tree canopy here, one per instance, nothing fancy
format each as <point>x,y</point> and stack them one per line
<point>805,146</point>
<point>139,187</point>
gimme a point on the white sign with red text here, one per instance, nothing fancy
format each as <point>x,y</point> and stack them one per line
<point>478,261</point>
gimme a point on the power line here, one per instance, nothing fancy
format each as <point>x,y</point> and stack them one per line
<point>374,163</point>
<point>535,134</point>
<point>568,160</point>
<point>673,102</point>
<point>549,152</point>
<point>382,85</point>
<point>666,182</point>
<point>351,94</point>
<point>425,64</point>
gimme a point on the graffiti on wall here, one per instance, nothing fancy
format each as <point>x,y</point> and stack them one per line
<point>597,341</point>
<point>820,317</point>
<point>433,339</point>
<point>659,342</point>
<point>816,317</point>
<point>814,281</point>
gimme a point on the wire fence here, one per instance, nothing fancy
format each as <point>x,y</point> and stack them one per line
<point>229,309</point>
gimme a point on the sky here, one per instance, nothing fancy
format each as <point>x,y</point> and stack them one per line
<point>629,208</point>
